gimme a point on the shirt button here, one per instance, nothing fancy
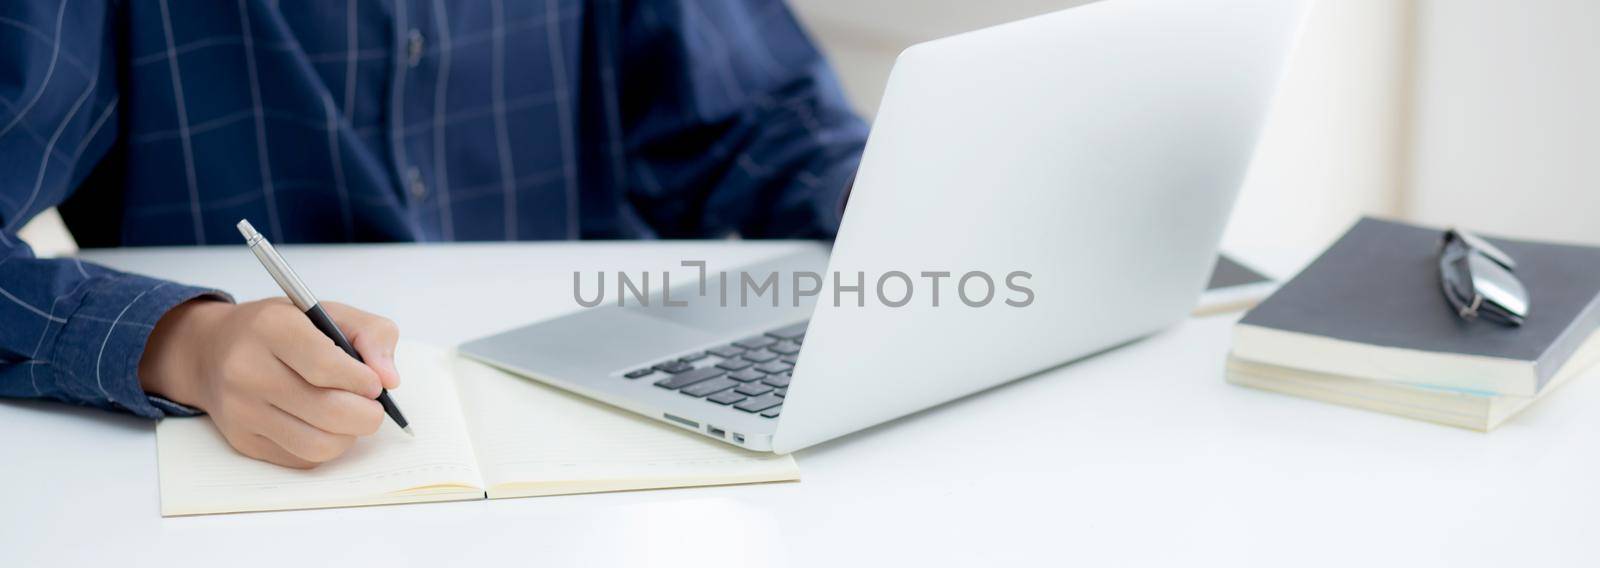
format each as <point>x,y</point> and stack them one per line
<point>414,184</point>
<point>414,44</point>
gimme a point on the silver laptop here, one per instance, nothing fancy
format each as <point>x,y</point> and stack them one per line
<point>1031,194</point>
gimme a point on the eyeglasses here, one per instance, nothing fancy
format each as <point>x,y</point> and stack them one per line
<point>1478,280</point>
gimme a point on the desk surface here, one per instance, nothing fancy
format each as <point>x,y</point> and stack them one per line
<point>1139,456</point>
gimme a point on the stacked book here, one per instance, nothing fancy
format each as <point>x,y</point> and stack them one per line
<point>1366,325</point>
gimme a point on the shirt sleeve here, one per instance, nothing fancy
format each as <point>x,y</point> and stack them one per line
<point>69,331</point>
<point>733,121</point>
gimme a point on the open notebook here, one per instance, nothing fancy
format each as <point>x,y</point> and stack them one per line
<point>480,434</point>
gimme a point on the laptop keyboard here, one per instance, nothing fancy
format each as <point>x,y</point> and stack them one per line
<point>751,374</point>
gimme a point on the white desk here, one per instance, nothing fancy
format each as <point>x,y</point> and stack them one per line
<point>1140,456</point>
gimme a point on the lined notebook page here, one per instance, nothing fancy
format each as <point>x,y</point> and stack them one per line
<point>201,473</point>
<point>534,439</point>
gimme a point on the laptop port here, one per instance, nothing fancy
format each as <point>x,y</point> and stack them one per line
<point>714,431</point>
<point>738,438</point>
<point>683,421</point>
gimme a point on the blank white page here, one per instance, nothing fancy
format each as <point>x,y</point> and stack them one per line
<point>533,439</point>
<point>201,473</point>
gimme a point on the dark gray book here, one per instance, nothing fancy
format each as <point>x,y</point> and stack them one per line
<point>1371,308</point>
<point>1234,287</point>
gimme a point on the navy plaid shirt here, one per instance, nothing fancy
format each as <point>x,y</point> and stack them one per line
<point>164,122</point>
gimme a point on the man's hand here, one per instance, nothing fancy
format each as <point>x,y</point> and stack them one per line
<point>278,389</point>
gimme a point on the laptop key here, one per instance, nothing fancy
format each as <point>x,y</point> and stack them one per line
<point>726,351</point>
<point>790,331</point>
<point>692,357</point>
<point>784,348</point>
<point>782,393</point>
<point>780,381</point>
<point>756,342</point>
<point>674,367</point>
<point>760,356</point>
<point>774,367</point>
<point>755,389</point>
<point>709,386</point>
<point>790,359</point>
<point>735,364</point>
<point>747,375</point>
<point>639,373</point>
<point>772,412</point>
<point>759,403</point>
<point>726,397</point>
<point>681,380</point>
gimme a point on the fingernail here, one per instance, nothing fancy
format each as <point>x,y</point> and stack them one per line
<point>390,375</point>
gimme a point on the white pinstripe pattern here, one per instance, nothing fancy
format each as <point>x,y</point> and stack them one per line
<point>263,160</point>
<point>183,127</point>
<point>19,114</point>
<point>441,177</point>
<point>44,37</point>
<point>608,93</point>
<point>177,50</point>
<point>613,125</point>
<point>34,134</point>
<point>314,57</point>
<point>44,161</point>
<point>502,138</point>
<point>223,41</point>
<point>352,43</point>
<point>30,307</point>
<point>338,169</point>
<point>319,122</point>
<point>558,73</point>
<point>199,127</point>
<point>88,137</point>
<point>32,376</point>
<point>397,96</point>
<point>49,72</point>
<point>113,329</point>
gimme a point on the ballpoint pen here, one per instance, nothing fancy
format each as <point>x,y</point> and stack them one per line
<point>298,293</point>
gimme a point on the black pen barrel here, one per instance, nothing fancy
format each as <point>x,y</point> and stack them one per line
<point>324,323</point>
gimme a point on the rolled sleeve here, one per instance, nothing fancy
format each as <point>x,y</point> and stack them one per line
<point>93,357</point>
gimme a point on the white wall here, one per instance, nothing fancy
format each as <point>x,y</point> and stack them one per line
<point>1331,150</point>
<point>1506,132</point>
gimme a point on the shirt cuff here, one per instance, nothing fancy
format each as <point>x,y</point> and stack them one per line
<point>103,339</point>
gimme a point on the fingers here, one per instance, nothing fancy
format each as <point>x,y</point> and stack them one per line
<point>373,336</point>
<point>303,440</point>
<point>298,344</point>
<point>330,410</point>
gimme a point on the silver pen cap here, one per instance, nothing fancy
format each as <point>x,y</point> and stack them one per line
<point>280,271</point>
